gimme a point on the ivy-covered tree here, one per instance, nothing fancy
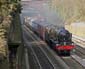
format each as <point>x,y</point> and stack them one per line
<point>70,10</point>
<point>8,8</point>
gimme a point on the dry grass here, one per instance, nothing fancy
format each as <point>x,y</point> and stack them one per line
<point>70,10</point>
<point>77,30</point>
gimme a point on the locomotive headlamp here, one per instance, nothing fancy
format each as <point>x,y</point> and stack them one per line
<point>57,44</point>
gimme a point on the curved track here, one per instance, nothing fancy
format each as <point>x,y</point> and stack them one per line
<point>37,59</point>
<point>43,60</point>
<point>33,61</point>
<point>40,57</point>
<point>72,63</point>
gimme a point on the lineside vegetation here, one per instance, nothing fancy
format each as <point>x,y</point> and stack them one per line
<point>8,10</point>
<point>70,10</point>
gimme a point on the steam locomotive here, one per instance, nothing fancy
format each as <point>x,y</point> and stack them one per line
<point>50,33</point>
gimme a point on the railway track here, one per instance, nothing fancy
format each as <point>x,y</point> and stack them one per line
<point>27,35</point>
<point>57,62</point>
<point>43,59</point>
<point>70,61</point>
<point>50,55</point>
<point>79,42</point>
<point>33,60</point>
<point>31,35</point>
<point>79,50</point>
<point>37,59</point>
<point>77,58</point>
<point>79,55</point>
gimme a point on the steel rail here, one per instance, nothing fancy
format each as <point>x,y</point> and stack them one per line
<point>26,59</point>
<point>79,60</point>
<point>25,39</point>
<point>60,61</point>
<point>72,63</point>
<point>35,54</point>
<point>57,58</point>
<point>42,49</point>
<point>36,57</point>
<point>78,41</point>
<point>48,58</point>
<point>28,43</point>
<point>42,58</point>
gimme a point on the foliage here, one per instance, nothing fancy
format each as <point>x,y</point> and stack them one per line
<point>70,10</point>
<point>8,9</point>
